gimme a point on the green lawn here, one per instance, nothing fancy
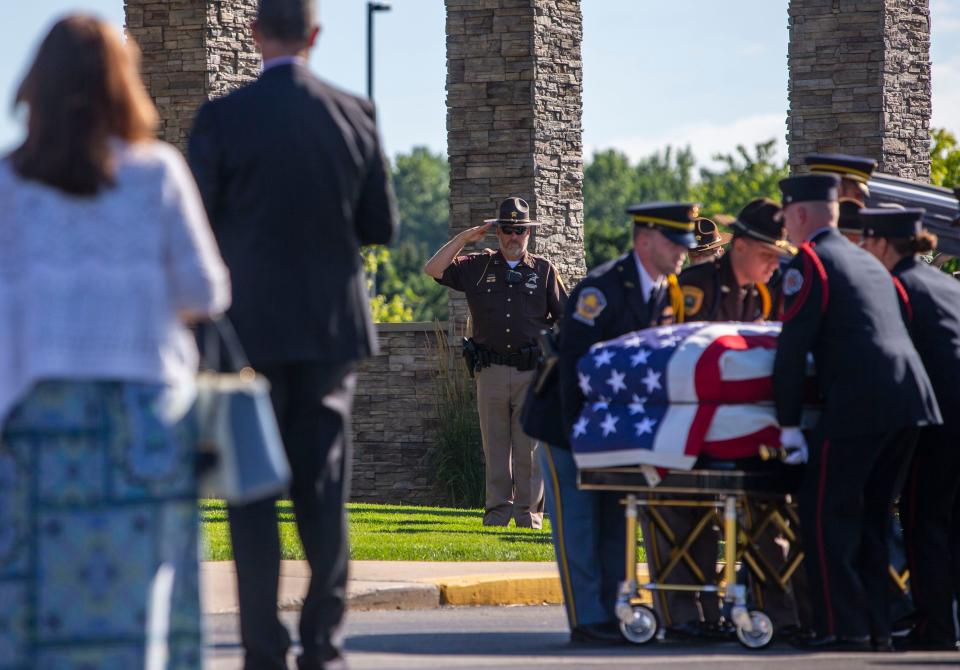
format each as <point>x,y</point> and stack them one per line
<point>399,533</point>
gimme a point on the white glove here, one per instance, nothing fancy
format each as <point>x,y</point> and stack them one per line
<point>795,446</point>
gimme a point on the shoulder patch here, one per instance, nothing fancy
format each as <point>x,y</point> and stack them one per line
<point>692,299</point>
<point>590,304</point>
<point>792,281</point>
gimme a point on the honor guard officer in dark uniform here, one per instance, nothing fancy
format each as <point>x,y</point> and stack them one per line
<point>637,290</point>
<point>512,296</point>
<point>854,172</point>
<point>710,242</point>
<point>849,222</point>
<point>733,288</point>
<point>840,305</point>
<point>930,504</point>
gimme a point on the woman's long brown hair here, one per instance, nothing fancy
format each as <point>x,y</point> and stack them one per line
<point>82,89</point>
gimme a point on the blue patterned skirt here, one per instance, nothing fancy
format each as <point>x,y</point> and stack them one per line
<point>98,532</point>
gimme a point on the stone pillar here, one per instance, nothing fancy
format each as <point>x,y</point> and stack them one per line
<point>192,50</point>
<point>514,106</point>
<point>860,82</point>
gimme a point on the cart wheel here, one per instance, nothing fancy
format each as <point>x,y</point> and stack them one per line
<point>642,627</point>
<point>762,634</point>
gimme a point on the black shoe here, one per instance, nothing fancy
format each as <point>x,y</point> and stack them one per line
<point>597,633</point>
<point>915,642</point>
<point>831,643</point>
<point>882,644</point>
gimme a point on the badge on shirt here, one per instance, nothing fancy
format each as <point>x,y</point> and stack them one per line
<point>792,281</point>
<point>589,305</point>
<point>692,299</point>
<point>491,278</point>
<point>532,282</point>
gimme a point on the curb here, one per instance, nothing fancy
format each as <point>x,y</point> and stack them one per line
<point>495,590</point>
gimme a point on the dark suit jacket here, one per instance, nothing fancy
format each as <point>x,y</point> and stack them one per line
<point>934,323</point>
<point>840,304</point>
<point>294,181</point>
<point>606,304</point>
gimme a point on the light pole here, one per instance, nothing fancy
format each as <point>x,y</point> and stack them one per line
<point>372,8</point>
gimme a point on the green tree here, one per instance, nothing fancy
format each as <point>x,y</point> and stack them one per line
<point>741,178</point>
<point>403,291</point>
<point>386,309</point>
<point>611,184</point>
<point>422,183</point>
<point>945,159</point>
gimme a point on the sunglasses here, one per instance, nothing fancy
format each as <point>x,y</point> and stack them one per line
<point>514,230</point>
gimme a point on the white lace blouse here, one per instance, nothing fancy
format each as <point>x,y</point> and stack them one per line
<point>91,287</point>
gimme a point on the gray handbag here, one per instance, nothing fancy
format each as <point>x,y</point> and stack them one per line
<point>238,437</point>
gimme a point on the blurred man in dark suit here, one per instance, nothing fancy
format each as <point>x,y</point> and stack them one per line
<point>294,181</point>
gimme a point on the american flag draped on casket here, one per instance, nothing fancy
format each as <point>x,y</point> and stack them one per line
<point>664,396</point>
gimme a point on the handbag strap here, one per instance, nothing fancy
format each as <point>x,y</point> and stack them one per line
<point>222,331</point>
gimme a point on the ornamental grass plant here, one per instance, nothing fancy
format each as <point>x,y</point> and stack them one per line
<point>457,460</point>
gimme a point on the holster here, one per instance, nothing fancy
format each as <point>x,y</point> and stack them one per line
<point>470,356</point>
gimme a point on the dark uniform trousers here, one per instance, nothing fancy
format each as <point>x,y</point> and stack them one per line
<point>930,513</point>
<point>313,403</point>
<point>930,504</point>
<point>589,539</point>
<point>846,536</point>
<point>841,306</point>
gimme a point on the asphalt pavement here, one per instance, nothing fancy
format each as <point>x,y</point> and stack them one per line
<point>535,638</point>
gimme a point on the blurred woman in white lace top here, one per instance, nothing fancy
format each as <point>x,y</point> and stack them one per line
<point>105,251</point>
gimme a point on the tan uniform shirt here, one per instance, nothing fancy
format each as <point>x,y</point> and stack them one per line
<point>711,293</point>
<point>509,309</point>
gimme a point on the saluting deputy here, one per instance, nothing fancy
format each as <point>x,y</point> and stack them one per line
<point>930,504</point>
<point>854,172</point>
<point>637,290</point>
<point>512,295</point>
<point>840,305</point>
<point>734,288</point>
<point>710,242</point>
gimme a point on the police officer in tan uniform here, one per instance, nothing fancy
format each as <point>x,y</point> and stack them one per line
<point>512,296</point>
<point>733,288</point>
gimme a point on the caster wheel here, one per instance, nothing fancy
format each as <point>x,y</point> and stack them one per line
<point>642,628</point>
<point>762,634</point>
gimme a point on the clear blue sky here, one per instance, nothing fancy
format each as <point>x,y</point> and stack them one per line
<point>655,73</point>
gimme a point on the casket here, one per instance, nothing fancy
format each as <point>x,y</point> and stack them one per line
<point>665,396</point>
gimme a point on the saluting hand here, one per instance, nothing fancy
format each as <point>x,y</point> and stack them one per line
<point>475,234</point>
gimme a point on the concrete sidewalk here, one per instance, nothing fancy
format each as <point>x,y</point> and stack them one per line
<point>401,584</point>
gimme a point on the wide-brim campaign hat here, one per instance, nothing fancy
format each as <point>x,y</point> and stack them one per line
<point>513,211</point>
<point>674,220</point>
<point>855,168</point>
<point>760,220</point>
<point>708,235</point>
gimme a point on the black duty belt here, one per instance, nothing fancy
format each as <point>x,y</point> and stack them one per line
<point>479,357</point>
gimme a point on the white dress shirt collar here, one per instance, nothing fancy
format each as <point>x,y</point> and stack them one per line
<point>284,60</point>
<point>647,283</point>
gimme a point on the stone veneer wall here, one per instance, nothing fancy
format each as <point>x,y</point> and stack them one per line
<point>395,417</point>
<point>514,121</point>
<point>192,50</point>
<point>860,82</point>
